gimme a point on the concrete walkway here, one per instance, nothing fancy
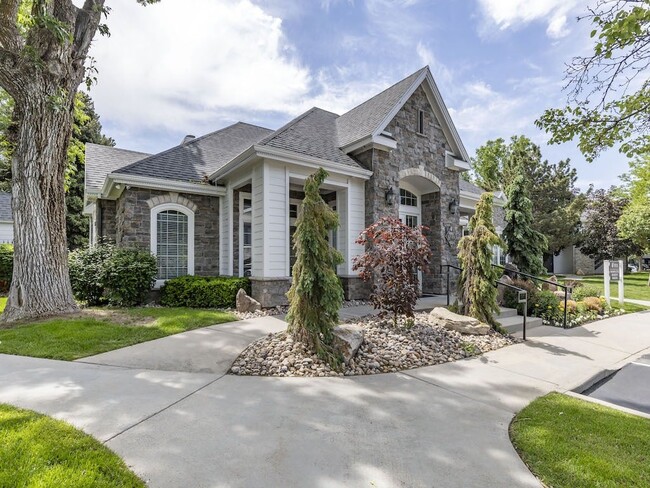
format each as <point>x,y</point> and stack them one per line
<point>444,425</point>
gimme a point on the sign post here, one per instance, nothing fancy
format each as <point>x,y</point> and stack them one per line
<point>613,271</point>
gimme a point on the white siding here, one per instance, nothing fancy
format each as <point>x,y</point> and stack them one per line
<point>225,233</point>
<point>343,245</point>
<point>258,220</point>
<point>356,218</point>
<point>6,232</point>
<point>276,220</point>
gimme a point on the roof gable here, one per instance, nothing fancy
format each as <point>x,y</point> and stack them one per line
<point>200,157</point>
<point>314,134</point>
<point>102,160</point>
<point>371,117</point>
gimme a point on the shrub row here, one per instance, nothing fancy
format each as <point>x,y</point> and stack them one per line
<point>6,266</point>
<point>203,292</point>
<point>108,274</point>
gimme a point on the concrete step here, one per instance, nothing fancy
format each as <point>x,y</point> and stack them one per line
<point>515,324</point>
<point>506,312</point>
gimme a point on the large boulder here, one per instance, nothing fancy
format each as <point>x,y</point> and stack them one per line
<point>347,340</point>
<point>550,286</point>
<point>460,323</point>
<point>506,280</point>
<point>245,303</point>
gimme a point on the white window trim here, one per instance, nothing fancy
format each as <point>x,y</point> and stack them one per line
<point>244,217</point>
<point>190,234</point>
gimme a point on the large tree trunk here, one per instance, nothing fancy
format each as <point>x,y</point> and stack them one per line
<point>41,284</point>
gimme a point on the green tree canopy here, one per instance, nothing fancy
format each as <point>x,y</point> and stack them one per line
<point>608,91</point>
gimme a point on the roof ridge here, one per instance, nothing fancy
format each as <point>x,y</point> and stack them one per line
<point>168,150</point>
<point>104,146</point>
<point>385,90</point>
<point>286,126</point>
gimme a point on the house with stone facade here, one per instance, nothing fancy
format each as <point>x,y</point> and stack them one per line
<point>226,203</point>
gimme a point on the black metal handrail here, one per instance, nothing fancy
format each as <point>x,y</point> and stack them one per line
<point>449,266</point>
<point>520,293</point>
<point>523,300</point>
<point>567,289</point>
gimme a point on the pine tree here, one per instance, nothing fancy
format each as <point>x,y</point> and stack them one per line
<point>477,294</point>
<point>525,245</point>
<point>316,295</point>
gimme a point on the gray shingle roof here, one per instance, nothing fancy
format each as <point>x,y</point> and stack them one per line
<point>365,119</point>
<point>199,157</point>
<point>102,160</point>
<point>470,187</point>
<point>6,215</point>
<point>313,134</point>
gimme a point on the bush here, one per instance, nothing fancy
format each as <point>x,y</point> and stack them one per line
<point>129,275</point>
<point>6,266</point>
<point>593,303</point>
<point>571,306</point>
<point>585,291</point>
<point>394,254</point>
<point>547,306</point>
<point>511,297</point>
<point>87,267</point>
<point>203,291</point>
<point>106,274</point>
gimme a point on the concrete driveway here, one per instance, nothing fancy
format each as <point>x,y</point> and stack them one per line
<point>443,425</point>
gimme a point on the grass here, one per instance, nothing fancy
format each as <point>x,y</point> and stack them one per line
<point>100,330</point>
<point>635,285</point>
<point>567,442</point>
<point>38,451</point>
<point>629,307</point>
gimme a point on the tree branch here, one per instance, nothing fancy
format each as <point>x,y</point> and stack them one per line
<point>9,35</point>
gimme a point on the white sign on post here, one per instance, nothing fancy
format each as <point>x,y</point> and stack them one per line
<point>613,271</point>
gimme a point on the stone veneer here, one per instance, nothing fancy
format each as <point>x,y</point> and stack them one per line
<point>106,227</point>
<point>270,292</point>
<point>133,216</point>
<point>428,152</point>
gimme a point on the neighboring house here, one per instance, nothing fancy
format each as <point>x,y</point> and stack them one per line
<point>6,218</point>
<point>572,260</point>
<point>469,196</point>
<point>226,203</point>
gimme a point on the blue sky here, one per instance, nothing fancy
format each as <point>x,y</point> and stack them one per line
<point>193,66</point>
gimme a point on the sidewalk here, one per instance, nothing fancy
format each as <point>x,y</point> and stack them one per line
<point>444,425</point>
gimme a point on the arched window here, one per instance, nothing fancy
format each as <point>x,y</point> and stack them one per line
<point>172,240</point>
<point>407,198</point>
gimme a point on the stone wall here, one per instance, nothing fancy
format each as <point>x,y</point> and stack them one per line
<point>133,221</point>
<point>582,262</point>
<point>354,288</point>
<point>428,152</point>
<point>107,222</point>
<point>270,292</point>
<point>499,217</point>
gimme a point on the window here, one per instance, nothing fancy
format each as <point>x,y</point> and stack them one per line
<point>407,198</point>
<point>172,244</point>
<point>245,235</point>
<point>420,121</point>
<point>411,220</point>
<point>293,211</point>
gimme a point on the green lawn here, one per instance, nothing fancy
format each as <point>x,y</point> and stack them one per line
<point>99,330</point>
<point>38,451</point>
<point>571,443</point>
<point>635,285</point>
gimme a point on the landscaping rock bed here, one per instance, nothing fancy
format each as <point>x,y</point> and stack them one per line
<point>283,309</point>
<point>385,349</point>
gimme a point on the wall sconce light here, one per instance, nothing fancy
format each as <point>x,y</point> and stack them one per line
<point>453,206</point>
<point>389,195</point>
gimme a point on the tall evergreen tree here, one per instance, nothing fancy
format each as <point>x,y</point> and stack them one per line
<point>477,294</point>
<point>316,295</point>
<point>525,245</point>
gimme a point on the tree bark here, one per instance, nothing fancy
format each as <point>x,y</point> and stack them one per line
<point>40,284</point>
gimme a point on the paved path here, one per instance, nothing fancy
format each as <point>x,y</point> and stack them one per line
<point>443,425</point>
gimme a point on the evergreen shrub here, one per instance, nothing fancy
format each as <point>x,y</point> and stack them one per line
<point>203,291</point>
<point>6,266</point>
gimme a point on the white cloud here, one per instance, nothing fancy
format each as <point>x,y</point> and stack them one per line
<point>512,14</point>
<point>183,63</point>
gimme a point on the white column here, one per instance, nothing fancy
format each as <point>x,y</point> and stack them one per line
<point>621,290</point>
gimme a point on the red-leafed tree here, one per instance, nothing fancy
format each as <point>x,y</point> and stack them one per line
<point>395,253</point>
